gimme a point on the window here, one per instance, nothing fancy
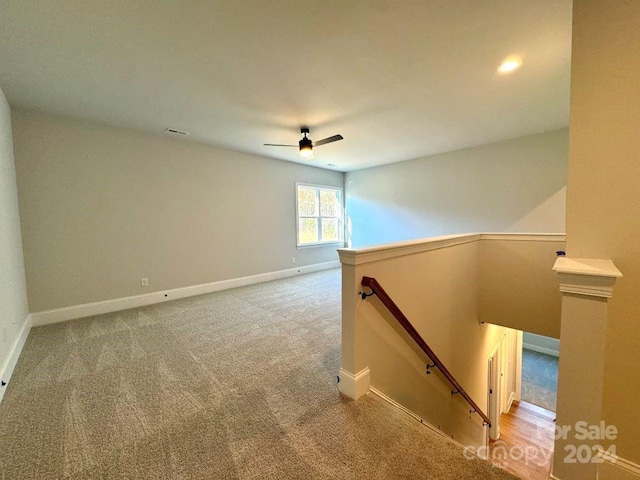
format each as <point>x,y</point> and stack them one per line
<point>319,211</point>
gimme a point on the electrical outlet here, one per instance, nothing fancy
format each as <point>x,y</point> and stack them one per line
<point>144,282</point>
<point>293,259</point>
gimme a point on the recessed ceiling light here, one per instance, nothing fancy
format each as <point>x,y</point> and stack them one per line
<point>510,64</point>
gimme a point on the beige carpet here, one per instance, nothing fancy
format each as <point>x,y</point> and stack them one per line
<point>236,384</point>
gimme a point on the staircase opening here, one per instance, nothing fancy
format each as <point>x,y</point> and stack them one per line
<point>523,440</point>
<point>540,370</point>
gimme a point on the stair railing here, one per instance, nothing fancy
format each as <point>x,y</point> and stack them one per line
<point>376,289</point>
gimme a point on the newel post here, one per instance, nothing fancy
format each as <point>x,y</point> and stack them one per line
<point>586,286</point>
<point>354,378</point>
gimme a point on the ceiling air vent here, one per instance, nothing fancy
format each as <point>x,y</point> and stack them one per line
<point>175,131</point>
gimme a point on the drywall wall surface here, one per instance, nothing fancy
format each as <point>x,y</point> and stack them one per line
<point>512,186</point>
<point>603,197</point>
<point>459,292</point>
<point>541,344</point>
<point>103,207</point>
<point>517,286</point>
<point>13,292</point>
<point>437,291</point>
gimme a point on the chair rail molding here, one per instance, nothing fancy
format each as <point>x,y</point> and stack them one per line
<point>359,256</point>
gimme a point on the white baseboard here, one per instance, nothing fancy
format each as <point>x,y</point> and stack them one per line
<point>354,386</point>
<point>614,467</point>
<point>107,306</point>
<point>536,348</point>
<point>16,348</point>
<point>617,468</point>
<point>512,399</point>
<point>390,400</point>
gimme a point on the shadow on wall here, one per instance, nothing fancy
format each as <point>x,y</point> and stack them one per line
<point>377,223</point>
<point>536,219</point>
<point>512,186</point>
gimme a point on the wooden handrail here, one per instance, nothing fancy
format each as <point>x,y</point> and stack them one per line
<point>377,289</point>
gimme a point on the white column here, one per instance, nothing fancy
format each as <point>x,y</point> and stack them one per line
<point>354,378</point>
<point>586,286</point>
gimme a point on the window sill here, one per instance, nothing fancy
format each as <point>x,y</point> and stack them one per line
<point>324,244</point>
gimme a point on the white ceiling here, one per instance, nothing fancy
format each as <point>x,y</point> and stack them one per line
<point>399,79</point>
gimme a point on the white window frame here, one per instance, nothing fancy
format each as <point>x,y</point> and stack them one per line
<point>332,188</point>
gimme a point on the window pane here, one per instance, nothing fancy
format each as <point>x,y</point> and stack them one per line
<point>308,230</point>
<point>329,204</point>
<point>330,230</point>
<point>307,202</point>
<point>319,214</point>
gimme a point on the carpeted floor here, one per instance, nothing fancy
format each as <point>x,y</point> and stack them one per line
<point>540,379</point>
<point>230,385</point>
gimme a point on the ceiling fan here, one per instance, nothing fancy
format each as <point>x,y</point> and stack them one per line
<point>305,145</point>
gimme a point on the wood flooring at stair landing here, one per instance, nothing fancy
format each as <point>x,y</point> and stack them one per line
<point>526,429</point>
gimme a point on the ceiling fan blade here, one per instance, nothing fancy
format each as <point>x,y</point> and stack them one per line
<point>335,138</point>
<point>278,145</point>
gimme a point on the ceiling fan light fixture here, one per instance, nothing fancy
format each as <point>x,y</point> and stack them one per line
<point>306,148</point>
<point>305,145</point>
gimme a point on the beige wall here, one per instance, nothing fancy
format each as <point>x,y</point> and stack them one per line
<point>512,186</point>
<point>517,286</point>
<point>441,304</point>
<point>541,343</point>
<point>603,203</point>
<point>13,293</point>
<point>439,285</point>
<point>102,207</point>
